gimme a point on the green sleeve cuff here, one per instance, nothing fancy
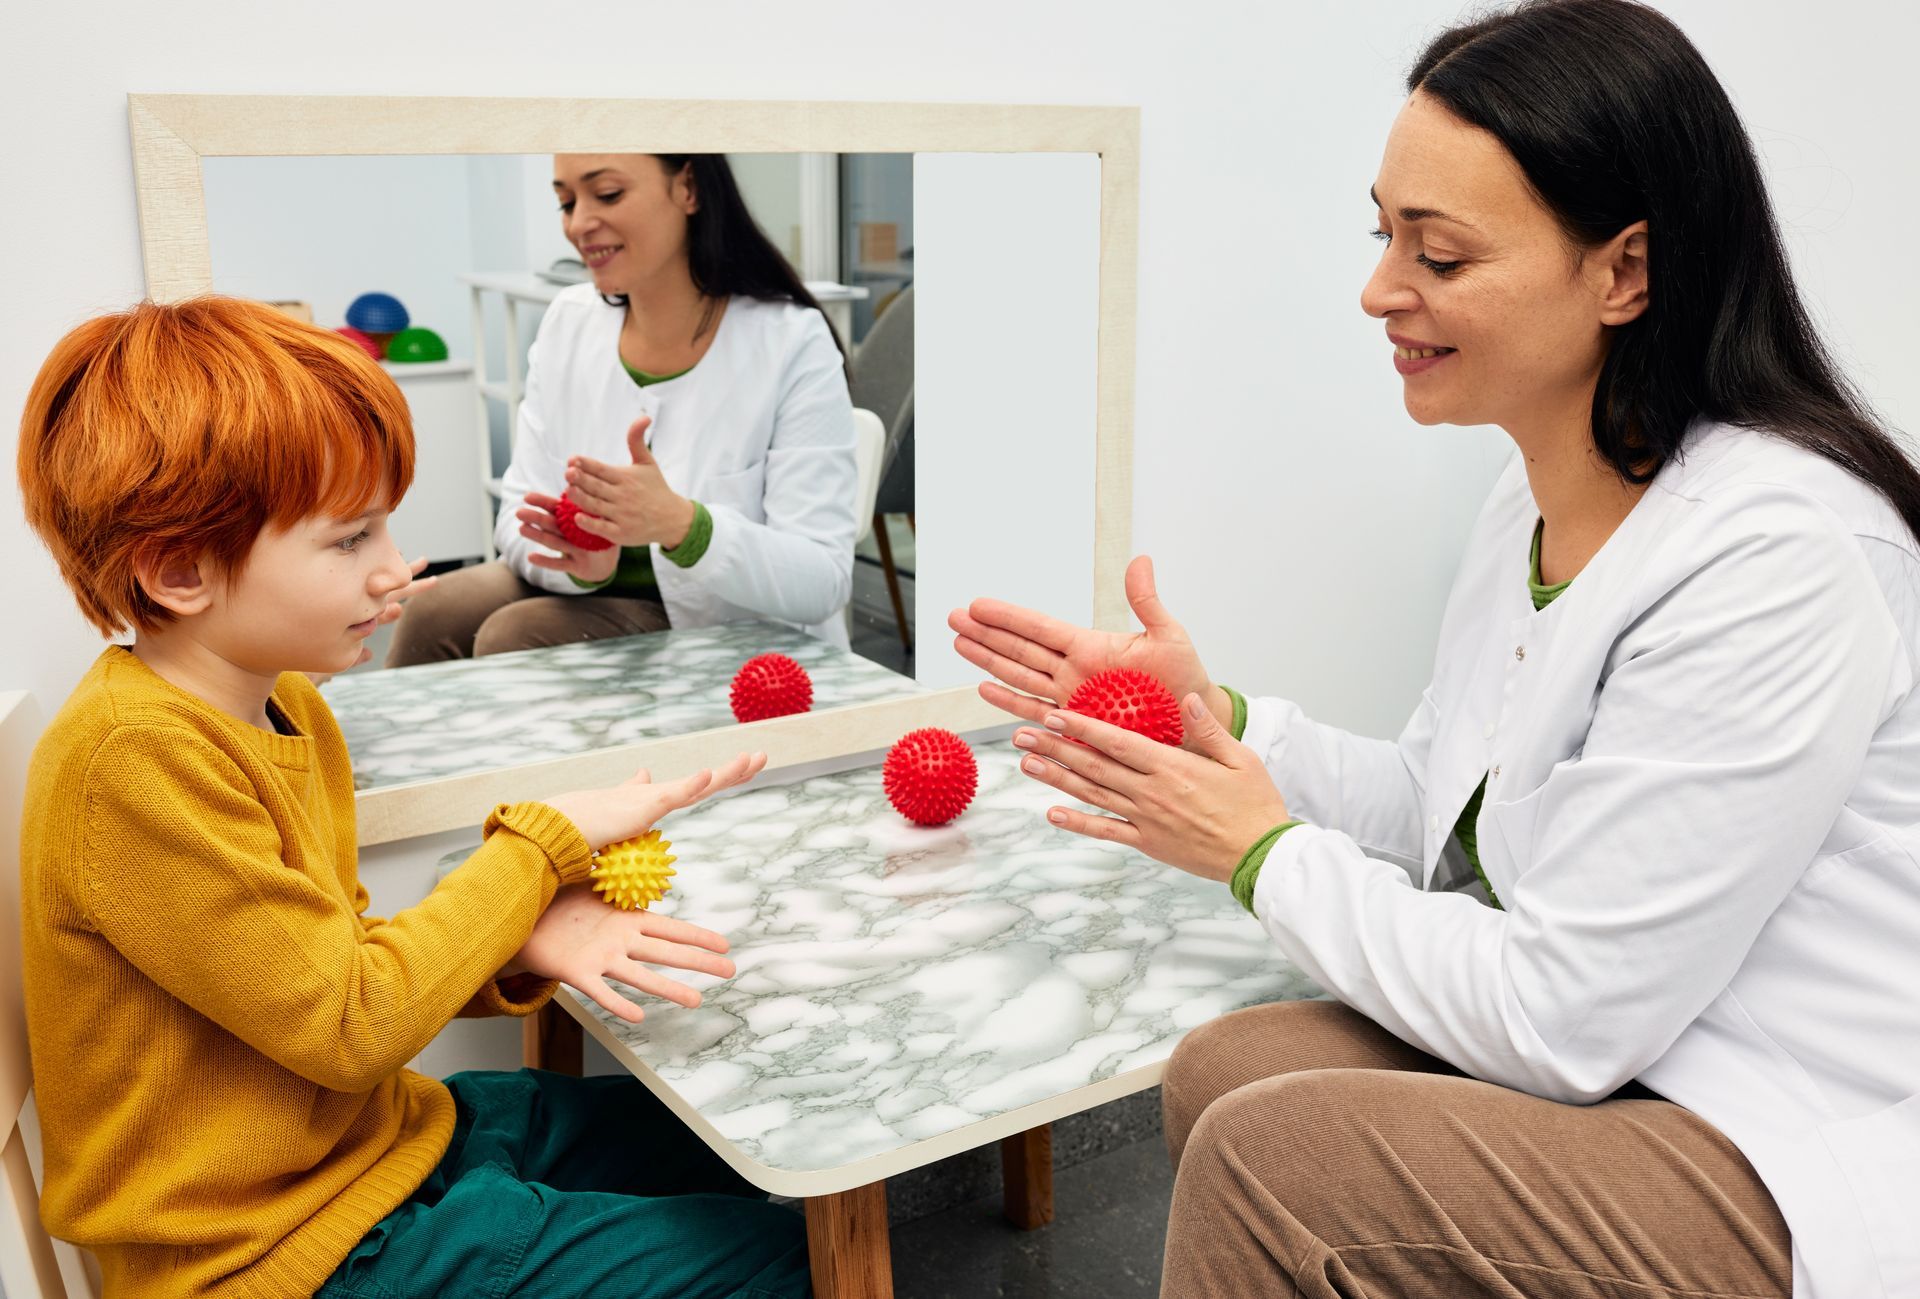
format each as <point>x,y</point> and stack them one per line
<point>1239,727</point>
<point>1247,873</point>
<point>594,586</point>
<point>695,543</point>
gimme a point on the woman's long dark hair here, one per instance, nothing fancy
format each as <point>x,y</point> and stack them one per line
<point>727,251</point>
<point>1615,118</point>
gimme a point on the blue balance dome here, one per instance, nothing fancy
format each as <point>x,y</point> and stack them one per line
<point>377,313</point>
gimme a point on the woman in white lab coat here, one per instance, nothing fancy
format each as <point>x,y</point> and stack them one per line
<point>1622,934</point>
<point>692,402</point>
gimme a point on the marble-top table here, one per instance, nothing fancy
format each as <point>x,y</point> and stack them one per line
<point>903,994</point>
<point>449,719</point>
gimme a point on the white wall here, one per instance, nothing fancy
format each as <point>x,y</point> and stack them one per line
<point>326,230</point>
<point>1304,527</point>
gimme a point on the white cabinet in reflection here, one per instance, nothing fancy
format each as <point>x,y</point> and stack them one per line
<point>446,515</point>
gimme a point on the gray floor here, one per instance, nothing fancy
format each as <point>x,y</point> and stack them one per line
<point>1106,1239</point>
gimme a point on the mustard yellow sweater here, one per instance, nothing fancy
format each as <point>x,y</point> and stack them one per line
<point>218,1028</point>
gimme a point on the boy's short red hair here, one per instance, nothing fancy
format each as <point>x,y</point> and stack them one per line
<point>183,431</point>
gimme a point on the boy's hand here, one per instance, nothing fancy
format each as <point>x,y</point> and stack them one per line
<point>605,816</point>
<point>582,940</point>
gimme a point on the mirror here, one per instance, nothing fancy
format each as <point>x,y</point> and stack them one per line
<point>978,258</point>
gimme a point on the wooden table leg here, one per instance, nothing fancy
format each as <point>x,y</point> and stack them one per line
<point>847,1244</point>
<point>550,1038</point>
<point>1026,1177</point>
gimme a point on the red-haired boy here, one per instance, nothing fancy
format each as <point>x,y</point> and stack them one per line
<point>219,1030</point>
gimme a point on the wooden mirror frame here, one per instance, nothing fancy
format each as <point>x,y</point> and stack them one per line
<point>172,133</point>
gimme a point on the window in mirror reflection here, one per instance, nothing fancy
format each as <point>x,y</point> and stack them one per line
<point>634,381</point>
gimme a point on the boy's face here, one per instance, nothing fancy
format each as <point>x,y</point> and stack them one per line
<point>307,597</point>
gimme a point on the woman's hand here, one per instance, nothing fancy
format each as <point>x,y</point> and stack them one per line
<point>605,816</point>
<point>1198,810</point>
<point>540,523</point>
<point>388,614</point>
<point>634,505</point>
<point>583,940</point>
<point>1048,659</point>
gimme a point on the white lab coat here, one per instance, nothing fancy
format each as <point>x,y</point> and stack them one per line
<point>1703,823</point>
<point>760,432</point>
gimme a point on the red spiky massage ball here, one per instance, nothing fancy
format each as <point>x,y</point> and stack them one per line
<point>1130,699</point>
<point>573,532</point>
<point>930,776</point>
<point>770,685</point>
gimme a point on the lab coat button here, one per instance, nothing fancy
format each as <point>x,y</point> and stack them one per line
<point>1489,731</point>
<point>1433,822</point>
<point>1496,772</point>
<point>1520,651</point>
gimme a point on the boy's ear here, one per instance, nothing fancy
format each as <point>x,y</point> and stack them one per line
<point>182,585</point>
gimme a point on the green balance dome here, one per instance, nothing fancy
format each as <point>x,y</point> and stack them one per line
<point>416,344</point>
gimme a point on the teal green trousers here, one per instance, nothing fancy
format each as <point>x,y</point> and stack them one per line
<point>582,1188</point>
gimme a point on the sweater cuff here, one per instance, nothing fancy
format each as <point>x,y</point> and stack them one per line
<point>695,543</point>
<point>549,830</point>
<point>1247,874</point>
<point>517,995</point>
<point>1238,729</point>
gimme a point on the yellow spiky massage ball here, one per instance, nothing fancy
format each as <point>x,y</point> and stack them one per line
<point>633,872</point>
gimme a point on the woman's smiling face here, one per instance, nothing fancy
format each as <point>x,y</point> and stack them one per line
<point>625,213</point>
<point>1476,264</point>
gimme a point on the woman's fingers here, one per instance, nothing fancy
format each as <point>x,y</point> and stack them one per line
<point>1081,772</point>
<point>588,467</point>
<point>1145,598</point>
<point>1027,653</point>
<point>592,497</point>
<point>1123,746</point>
<point>597,525</point>
<point>1111,829</point>
<point>1014,674</point>
<point>1022,706</point>
<point>1030,623</point>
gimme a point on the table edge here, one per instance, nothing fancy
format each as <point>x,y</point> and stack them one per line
<point>874,1168</point>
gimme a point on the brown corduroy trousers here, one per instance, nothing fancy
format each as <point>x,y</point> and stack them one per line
<point>1318,1155</point>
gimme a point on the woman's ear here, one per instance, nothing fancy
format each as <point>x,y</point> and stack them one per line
<point>684,191</point>
<point>181,586</point>
<point>1623,279</point>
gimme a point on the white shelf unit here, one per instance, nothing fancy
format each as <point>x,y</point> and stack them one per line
<point>438,518</point>
<point>518,287</point>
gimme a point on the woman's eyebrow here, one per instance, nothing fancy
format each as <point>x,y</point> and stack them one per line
<point>1422,213</point>
<point>597,171</point>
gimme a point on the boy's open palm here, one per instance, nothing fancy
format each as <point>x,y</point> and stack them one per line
<point>583,940</point>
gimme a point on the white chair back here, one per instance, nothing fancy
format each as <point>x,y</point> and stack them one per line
<point>33,1265</point>
<point>869,448</point>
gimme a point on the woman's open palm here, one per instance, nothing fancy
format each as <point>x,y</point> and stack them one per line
<point>1039,660</point>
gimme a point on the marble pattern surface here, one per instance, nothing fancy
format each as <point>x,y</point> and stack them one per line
<point>449,719</point>
<point>895,983</point>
